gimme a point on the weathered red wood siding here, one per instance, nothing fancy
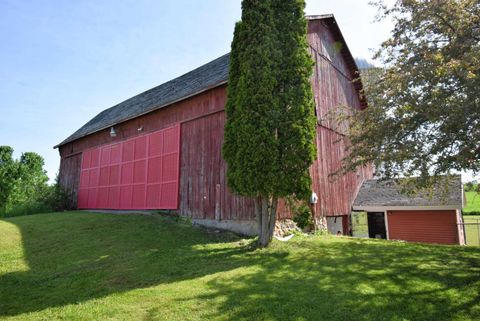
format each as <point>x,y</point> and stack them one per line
<point>202,167</point>
<point>423,226</point>
<point>333,88</point>
<point>69,176</point>
<point>203,104</point>
<point>203,187</point>
<point>200,105</point>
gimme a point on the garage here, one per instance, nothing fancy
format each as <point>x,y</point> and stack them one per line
<point>423,226</point>
<point>390,213</point>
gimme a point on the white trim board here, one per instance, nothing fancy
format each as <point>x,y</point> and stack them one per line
<point>386,224</point>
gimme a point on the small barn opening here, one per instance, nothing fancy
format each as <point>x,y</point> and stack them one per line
<point>376,225</point>
<point>339,225</point>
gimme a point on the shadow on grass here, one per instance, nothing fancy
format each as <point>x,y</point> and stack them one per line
<point>356,280</point>
<point>80,257</point>
<point>84,256</point>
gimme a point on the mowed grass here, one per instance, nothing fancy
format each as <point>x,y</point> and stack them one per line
<point>84,266</point>
<point>472,229</point>
<point>473,202</point>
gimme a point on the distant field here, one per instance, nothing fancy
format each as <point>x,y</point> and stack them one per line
<point>472,234</point>
<point>472,231</point>
<point>471,217</point>
<point>473,202</point>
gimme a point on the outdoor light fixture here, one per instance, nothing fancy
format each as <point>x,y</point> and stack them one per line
<point>112,132</point>
<point>139,129</point>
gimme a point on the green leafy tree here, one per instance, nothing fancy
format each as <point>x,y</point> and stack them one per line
<point>8,175</point>
<point>24,185</point>
<point>270,124</point>
<point>31,179</point>
<point>468,186</point>
<point>424,102</point>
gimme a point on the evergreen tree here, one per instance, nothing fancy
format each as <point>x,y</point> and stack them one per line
<point>296,120</point>
<point>270,122</point>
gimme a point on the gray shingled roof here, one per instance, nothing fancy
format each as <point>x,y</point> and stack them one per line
<point>192,83</point>
<point>206,77</point>
<point>388,193</point>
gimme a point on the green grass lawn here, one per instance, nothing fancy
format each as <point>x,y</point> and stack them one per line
<point>473,202</point>
<point>471,217</point>
<point>83,266</point>
<point>472,229</point>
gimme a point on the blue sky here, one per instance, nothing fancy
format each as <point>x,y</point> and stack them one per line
<point>62,62</point>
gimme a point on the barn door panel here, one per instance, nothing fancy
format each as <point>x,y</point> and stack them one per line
<point>138,173</point>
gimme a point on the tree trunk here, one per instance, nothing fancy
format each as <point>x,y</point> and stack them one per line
<point>263,237</point>
<point>268,207</point>
<point>273,218</point>
<point>258,213</point>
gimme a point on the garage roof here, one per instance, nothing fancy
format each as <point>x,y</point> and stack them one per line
<point>388,194</point>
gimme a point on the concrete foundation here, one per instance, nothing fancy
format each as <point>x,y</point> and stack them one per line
<point>248,228</point>
<point>243,227</point>
<point>320,223</point>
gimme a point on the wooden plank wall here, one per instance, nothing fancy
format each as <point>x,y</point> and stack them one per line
<point>203,104</point>
<point>200,105</point>
<point>69,176</point>
<point>203,189</point>
<point>335,194</point>
<point>333,89</point>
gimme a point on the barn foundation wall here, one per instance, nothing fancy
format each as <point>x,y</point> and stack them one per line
<point>244,227</point>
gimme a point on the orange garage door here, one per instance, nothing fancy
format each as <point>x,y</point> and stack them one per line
<point>423,226</point>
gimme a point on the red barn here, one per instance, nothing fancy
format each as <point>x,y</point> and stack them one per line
<point>162,148</point>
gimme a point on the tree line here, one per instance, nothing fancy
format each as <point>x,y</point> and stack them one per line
<point>24,187</point>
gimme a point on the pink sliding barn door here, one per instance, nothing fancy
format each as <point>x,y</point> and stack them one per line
<point>138,173</point>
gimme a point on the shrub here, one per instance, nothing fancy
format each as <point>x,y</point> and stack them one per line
<point>28,208</point>
<point>56,197</point>
<point>471,213</point>
<point>50,198</point>
<point>302,215</point>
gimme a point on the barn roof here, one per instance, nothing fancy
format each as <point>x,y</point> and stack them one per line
<point>386,194</point>
<point>208,76</point>
<point>192,83</point>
